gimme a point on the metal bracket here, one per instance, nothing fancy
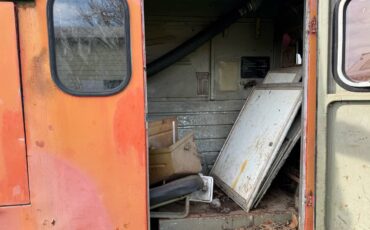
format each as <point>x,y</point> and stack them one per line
<point>203,195</point>
<point>312,27</point>
<point>172,215</point>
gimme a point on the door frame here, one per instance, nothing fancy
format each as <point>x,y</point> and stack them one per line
<point>308,158</point>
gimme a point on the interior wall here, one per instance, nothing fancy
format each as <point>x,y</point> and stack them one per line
<point>190,89</point>
<point>247,38</point>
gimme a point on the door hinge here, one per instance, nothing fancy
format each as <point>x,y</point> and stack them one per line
<point>309,199</point>
<point>312,27</point>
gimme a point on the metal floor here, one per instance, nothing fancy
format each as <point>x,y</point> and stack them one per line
<point>277,207</point>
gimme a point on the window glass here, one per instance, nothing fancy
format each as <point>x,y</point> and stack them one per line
<point>91,45</point>
<point>357,41</point>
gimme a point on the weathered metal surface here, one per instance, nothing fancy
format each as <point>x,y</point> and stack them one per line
<point>340,153</point>
<point>308,160</point>
<point>254,141</point>
<point>13,165</point>
<point>86,155</point>
<point>206,193</point>
<point>289,142</point>
<point>284,75</point>
<point>347,194</point>
<point>172,215</point>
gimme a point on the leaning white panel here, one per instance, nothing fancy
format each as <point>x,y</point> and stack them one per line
<point>284,75</point>
<point>290,140</point>
<point>254,141</point>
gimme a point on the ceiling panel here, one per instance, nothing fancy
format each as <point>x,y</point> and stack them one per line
<point>201,8</point>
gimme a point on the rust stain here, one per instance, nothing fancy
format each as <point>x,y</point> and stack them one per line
<point>242,169</point>
<point>40,144</point>
<point>37,81</point>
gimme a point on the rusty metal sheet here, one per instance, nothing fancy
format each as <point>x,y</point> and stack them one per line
<point>13,166</point>
<point>255,140</point>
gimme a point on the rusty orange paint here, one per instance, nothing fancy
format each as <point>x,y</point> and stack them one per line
<point>310,122</point>
<point>87,156</point>
<point>13,165</point>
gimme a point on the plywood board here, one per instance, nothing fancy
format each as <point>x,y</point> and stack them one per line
<point>254,141</point>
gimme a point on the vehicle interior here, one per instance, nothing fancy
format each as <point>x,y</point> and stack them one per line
<point>204,59</point>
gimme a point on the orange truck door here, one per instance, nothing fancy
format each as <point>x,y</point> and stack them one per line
<point>82,67</point>
<point>13,166</point>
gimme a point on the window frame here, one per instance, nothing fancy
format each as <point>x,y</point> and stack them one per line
<point>52,55</point>
<point>339,51</point>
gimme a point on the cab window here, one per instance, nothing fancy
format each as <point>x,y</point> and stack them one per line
<point>353,57</point>
<point>89,45</point>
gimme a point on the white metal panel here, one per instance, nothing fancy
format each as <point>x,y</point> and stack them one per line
<point>254,141</point>
<point>276,78</point>
<point>284,75</point>
<point>348,166</point>
<point>291,139</point>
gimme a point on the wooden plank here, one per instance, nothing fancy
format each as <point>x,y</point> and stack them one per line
<point>209,145</point>
<point>14,188</point>
<point>209,158</point>
<point>194,106</point>
<point>207,132</point>
<point>254,141</point>
<point>211,121</point>
<point>206,118</point>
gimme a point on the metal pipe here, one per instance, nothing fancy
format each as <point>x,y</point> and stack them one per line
<point>202,37</point>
